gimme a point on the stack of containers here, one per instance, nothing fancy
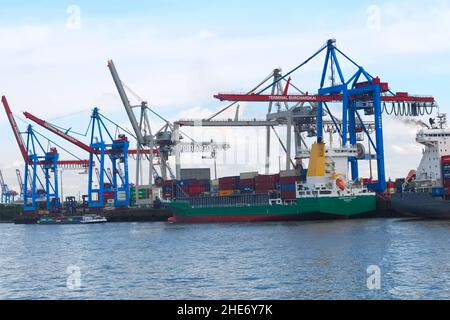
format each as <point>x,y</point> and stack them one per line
<point>228,186</point>
<point>168,189</point>
<point>390,187</point>
<point>248,182</point>
<point>399,185</point>
<point>288,180</point>
<point>108,199</point>
<point>266,183</point>
<point>445,161</point>
<point>196,188</point>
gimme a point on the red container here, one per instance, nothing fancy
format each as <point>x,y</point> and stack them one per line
<point>196,190</point>
<point>247,182</point>
<point>390,185</point>
<point>267,178</point>
<point>265,186</point>
<point>447,191</point>
<point>289,180</point>
<point>288,195</point>
<point>445,160</point>
<point>227,180</point>
<point>108,195</point>
<point>229,186</point>
<point>447,183</point>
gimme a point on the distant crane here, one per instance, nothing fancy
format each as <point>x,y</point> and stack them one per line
<point>7,194</point>
<point>21,186</point>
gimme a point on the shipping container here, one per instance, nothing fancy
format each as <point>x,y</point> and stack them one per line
<point>229,180</point>
<point>247,182</point>
<point>248,175</point>
<point>195,174</point>
<point>437,192</point>
<point>289,180</point>
<point>447,191</point>
<point>224,193</point>
<point>288,195</point>
<point>447,183</point>
<point>445,160</point>
<point>287,187</point>
<point>267,178</point>
<point>229,186</point>
<point>289,173</point>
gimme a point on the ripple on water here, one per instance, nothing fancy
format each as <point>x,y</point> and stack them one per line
<point>310,260</point>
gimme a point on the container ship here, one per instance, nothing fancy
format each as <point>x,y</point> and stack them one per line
<point>321,192</point>
<point>425,192</point>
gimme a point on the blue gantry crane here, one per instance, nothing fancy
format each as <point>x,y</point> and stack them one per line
<point>40,162</point>
<point>103,145</point>
<point>48,162</point>
<point>360,92</point>
<point>7,194</point>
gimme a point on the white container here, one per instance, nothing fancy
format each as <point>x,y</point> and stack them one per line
<point>289,173</point>
<point>248,175</point>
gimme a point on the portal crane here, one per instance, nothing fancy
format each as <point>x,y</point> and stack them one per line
<point>35,156</point>
<point>360,92</point>
<point>7,194</point>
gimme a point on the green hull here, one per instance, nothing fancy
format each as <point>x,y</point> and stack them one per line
<point>302,209</point>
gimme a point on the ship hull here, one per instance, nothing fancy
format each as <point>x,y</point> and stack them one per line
<point>326,208</point>
<point>421,205</point>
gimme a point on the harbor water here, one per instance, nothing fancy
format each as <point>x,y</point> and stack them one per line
<point>409,259</point>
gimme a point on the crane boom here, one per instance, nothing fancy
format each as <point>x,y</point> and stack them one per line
<point>126,103</point>
<point>58,132</point>
<point>15,129</point>
<point>399,97</point>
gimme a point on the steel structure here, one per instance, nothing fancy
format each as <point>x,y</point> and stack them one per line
<point>359,92</point>
<point>35,157</point>
<point>48,162</point>
<point>7,194</point>
<point>163,143</point>
<point>21,185</point>
<point>117,151</point>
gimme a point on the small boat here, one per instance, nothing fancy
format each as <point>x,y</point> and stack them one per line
<point>91,219</point>
<point>86,219</point>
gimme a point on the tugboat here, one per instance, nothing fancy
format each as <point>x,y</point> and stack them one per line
<point>327,193</point>
<point>426,191</point>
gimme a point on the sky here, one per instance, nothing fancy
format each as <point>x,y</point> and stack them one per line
<point>178,54</point>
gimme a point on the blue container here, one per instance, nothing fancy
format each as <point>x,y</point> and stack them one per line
<point>287,187</point>
<point>437,192</point>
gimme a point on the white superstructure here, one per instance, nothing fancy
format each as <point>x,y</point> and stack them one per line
<point>436,140</point>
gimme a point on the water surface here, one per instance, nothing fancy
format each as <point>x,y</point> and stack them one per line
<point>305,260</point>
